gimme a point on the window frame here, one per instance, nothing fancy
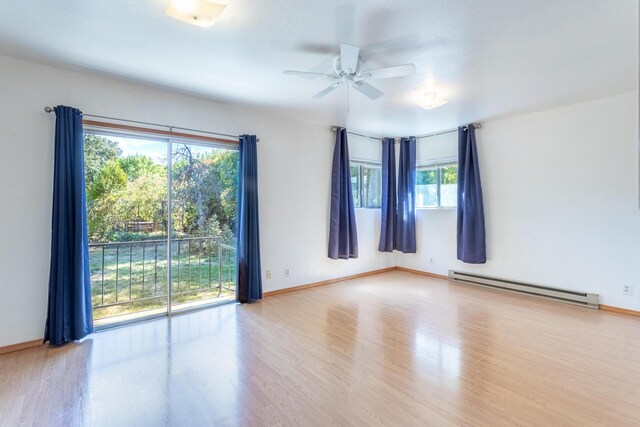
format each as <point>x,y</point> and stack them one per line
<point>438,168</point>
<point>370,165</point>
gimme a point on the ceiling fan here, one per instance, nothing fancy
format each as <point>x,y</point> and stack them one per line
<point>347,69</point>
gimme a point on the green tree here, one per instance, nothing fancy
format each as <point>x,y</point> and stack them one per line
<point>205,191</point>
<point>213,227</point>
<point>449,175</point>
<point>142,199</point>
<point>188,177</point>
<point>223,176</point>
<point>138,165</point>
<point>124,189</point>
<point>427,177</point>
<point>98,150</point>
<point>103,200</point>
<point>110,179</point>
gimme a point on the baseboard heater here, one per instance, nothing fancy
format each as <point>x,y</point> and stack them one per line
<point>560,295</point>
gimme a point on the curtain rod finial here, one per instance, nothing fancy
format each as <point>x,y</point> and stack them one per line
<point>48,109</point>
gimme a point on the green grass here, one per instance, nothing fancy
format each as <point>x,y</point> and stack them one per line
<point>137,277</point>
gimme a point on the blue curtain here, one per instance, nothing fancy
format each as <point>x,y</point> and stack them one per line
<point>406,214</point>
<point>249,270</point>
<point>388,215</point>
<point>343,236</point>
<point>69,314</point>
<point>471,232</point>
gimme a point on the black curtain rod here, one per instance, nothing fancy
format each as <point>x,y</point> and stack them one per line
<point>475,125</point>
<point>48,109</point>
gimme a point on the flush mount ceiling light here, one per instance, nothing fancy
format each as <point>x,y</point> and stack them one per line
<point>202,13</point>
<point>430,101</point>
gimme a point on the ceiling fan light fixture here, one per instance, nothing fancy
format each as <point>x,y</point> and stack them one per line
<point>430,101</point>
<point>202,13</point>
<point>347,70</point>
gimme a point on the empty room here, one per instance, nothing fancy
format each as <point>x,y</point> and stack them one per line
<point>318,213</point>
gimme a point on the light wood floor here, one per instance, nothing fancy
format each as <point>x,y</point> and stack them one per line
<point>394,349</point>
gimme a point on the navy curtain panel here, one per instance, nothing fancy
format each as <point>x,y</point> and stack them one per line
<point>249,270</point>
<point>388,216</point>
<point>343,236</point>
<point>471,232</point>
<point>69,314</point>
<point>406,213</point>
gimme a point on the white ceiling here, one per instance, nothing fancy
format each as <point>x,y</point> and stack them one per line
<point>489,58</point>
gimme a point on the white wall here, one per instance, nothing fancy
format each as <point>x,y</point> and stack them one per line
<point>294,173</point>
<point>561,202</point>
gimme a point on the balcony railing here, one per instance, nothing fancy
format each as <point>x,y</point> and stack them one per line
<point>127,277</point>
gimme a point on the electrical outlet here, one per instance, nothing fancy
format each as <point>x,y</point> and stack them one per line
<point>627,289</point>
<point>268,274</point>
<point>287,272</point>
<point>430,260</point>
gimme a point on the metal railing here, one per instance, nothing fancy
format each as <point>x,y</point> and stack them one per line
<point>135,273</point>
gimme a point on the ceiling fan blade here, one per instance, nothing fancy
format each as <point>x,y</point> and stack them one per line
<point>366,89</point>
<point>309,74</point>
<point>389,72</point>
<point>327,90</point>
<point>320,48</point>
<point>395,45</point>
<point>349,57</point>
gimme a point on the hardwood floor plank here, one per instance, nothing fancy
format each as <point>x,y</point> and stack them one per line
<point>392,349</point>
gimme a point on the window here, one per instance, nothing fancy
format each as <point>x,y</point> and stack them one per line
<point>355,185</point>
<point>437,186</point>
<point>366,185</point>
<point>449,186</point>
<point>146,254</point>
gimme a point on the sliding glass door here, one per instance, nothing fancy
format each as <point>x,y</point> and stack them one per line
<point>203,197</point>
<point>145,196</point>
